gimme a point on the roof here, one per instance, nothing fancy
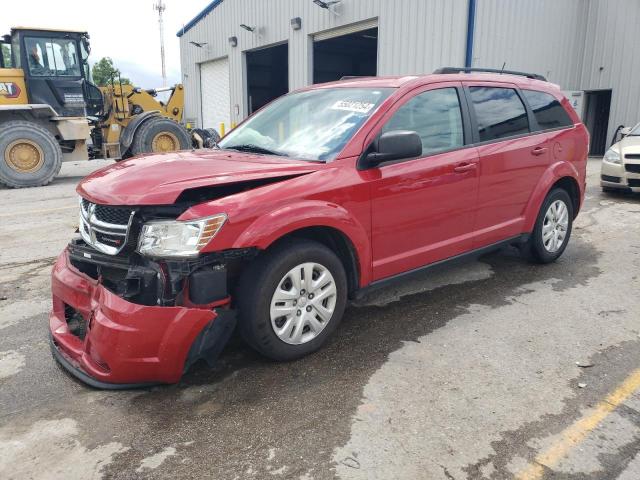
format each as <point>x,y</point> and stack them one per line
<point>401,81</point>
<point>43,29</point>
<point>194,21</point>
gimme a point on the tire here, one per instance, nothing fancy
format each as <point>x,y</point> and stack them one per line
<point>175,138</point>
<point>30,155</point>
<point>537,249</point>
<point>256,290</point>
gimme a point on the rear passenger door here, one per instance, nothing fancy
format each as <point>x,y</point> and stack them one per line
<point>512,159</point>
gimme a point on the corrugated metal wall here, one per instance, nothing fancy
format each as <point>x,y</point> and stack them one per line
<point>578,44</point>
<point>415,36</point>
<point>566,40</point>
<point>542,36</point>
<point>612,58</point>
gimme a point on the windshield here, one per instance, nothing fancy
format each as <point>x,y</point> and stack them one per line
<point>635,132</point>
<point>313,125</point>
<point>52,57</point>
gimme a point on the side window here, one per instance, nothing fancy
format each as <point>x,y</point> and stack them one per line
<point>434,115</point>
<point>499,112</point>
<point>5,53</point>
<point>548,111</point>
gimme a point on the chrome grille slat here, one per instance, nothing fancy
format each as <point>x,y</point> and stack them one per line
<point>96,231</point>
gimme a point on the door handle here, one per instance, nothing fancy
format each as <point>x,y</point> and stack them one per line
<point>539,151</point>
<point>464,167</point>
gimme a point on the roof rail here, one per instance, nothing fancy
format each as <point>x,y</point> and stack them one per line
<point>446,70</point>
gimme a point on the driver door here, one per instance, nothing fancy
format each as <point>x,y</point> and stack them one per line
<point>423,209</point>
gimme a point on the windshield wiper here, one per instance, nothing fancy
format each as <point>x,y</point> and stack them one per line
<point>248,147</point>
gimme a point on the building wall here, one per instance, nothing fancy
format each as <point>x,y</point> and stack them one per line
<point>611,59</point>
<point>578,44</point>
<point>542,36</point>
<point>415,36</point>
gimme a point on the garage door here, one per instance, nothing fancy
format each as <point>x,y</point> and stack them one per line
<point>214,91</point>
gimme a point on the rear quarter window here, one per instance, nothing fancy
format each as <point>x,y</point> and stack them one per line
<point>547,110</point>
<point>499,112</point>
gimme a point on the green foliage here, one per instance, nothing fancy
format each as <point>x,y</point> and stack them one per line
<point>104,70</point>
<point>6,55</point>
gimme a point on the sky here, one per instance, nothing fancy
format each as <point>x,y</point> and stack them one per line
<point>134,50</point>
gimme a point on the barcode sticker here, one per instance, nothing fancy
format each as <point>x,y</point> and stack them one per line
<point>352,106</point>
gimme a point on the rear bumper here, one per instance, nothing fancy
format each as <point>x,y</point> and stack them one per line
<point>127,345</point>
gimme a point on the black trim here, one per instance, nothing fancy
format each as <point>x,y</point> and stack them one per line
<point>609,178</point>
<point>454,70</point>
<point>463,257</point>
<point>85,378</point>
<point>210,342</point>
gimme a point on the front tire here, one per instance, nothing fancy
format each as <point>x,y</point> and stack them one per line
<point>29,155</point>
<point>553,227</point>
<point>291,299</point>
<point>160,135</point>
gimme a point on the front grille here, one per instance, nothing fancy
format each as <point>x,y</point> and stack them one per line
<point>103,227</point>
<point>75,321</point>
<point>632,167</point>
<point>632,156</point>
<point>114,215</point>
<point>634,182</point>
<point>609,178</point>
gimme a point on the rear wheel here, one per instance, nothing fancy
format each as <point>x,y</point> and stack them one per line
<point>160,135</point>
<point>291,299</point>
<point>29,155</point>
<point>552,230</point>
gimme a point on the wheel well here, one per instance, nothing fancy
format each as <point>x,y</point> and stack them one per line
<point>339,243</point>
<point>570,185</point>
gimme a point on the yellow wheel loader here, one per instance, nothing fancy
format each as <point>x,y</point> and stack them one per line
<point>50,111</point>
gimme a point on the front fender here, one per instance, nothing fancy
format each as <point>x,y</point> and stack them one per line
<point>555,172</point>
<point>270,227</point>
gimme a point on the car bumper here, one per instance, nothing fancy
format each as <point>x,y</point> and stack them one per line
<point>123,344</point>
<point>616,176</point>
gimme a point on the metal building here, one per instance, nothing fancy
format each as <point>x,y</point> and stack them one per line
<point>237,55</point>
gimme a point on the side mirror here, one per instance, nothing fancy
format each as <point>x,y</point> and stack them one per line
<point>625,131</point>
<point>395,145</point>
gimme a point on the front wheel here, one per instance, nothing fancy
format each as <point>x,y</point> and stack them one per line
<point>160,135</point>
<point>553,226</point>
<point>291,299</point>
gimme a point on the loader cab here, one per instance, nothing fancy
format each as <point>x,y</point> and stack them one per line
<point>55,66</point>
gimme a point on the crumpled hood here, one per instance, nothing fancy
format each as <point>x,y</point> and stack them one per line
<point>160,179</point>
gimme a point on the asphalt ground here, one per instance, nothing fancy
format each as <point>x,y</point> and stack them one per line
<point>492,369</point>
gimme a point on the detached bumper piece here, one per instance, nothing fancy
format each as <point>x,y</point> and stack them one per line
<point>105,335</point>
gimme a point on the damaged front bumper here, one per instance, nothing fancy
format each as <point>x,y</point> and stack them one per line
<point>109,341</point>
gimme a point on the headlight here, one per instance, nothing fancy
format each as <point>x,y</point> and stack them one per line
<point>173,238</point>
<point>612,156</point>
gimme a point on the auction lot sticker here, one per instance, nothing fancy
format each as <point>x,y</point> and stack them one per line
<point>352,106</point>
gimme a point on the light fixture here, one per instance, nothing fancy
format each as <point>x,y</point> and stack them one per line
<point>247,27</point>
<point>233,41</point>
<point>326,4</point>
<point>296,23</point>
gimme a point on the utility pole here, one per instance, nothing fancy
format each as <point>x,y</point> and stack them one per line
<point>160,7</point>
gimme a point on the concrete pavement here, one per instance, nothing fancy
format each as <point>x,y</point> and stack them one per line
<point>489,370</point>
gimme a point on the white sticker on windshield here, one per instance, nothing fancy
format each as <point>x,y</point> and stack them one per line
<point>352,106</point>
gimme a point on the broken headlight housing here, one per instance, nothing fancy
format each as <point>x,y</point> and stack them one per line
<point>175,238</point>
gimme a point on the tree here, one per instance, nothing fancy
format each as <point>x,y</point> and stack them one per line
<point>6,55</point>
<point>104,70</point>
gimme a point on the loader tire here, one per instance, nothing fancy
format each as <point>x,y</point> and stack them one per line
<point>30,155</point>
<point>160,135</point>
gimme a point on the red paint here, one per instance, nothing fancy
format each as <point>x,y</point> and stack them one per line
<point>137,343</point>
<point>397,217</point>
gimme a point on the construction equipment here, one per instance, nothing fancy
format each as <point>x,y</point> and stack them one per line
<point>50,111</point>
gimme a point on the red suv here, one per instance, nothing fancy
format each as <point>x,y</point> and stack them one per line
<point>324,194</point>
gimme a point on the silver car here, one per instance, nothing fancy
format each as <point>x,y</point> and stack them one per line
<point>621,163</point>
